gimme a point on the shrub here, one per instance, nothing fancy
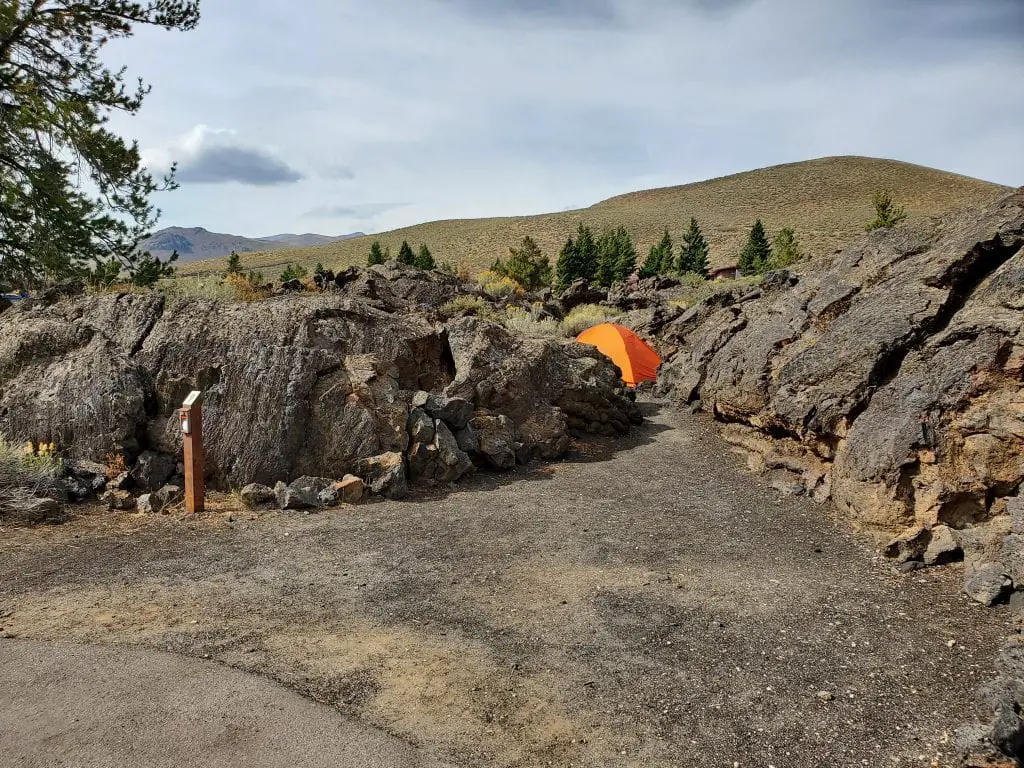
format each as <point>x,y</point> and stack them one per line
<point>247,287</point>
<point>469,305</point>
<point>887,213</point>
<point>526,323</point>
<point>25,474</point>
<point>587,316</point>
<point>498,285</point>
<point>526,265</point>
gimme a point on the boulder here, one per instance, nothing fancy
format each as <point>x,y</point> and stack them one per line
<point>467,441</point>
<point>497,439</point>
<point>90,474</point>
<point>166,496</point>
<point>420,426</point>
<point>152,470</point>
<point>302,493</point>
<point>118,500</point>
<point>257,495</point>
<point>422,461</point>
<point>144,504</point>
<point>909,545</point>
<point>986,583</point>
<point>452,462</point>
<point>385,475</point>
<point>944,547</point>
<point>453,411</point>
<point>348,490</point>
<point>580,292</point>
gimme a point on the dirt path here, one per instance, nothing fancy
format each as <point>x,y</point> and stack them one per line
<point>656,606</point>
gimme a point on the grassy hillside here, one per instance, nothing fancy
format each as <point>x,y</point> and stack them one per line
<point>827,201</point>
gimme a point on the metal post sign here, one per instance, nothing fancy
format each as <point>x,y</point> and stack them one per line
<point>191,415</point>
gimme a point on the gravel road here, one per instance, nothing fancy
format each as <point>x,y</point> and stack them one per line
<point>642,603</point>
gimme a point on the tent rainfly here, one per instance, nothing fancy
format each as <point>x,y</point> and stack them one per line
<point>635,358</point>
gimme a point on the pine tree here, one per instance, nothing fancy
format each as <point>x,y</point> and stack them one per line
<point>425,259</point>
<point>652,264</point>
<point>667,258</point>
<point>74,195</point>
<point>693,252</point>
<point>376,254</point>
<point>568,267</point>
<point>625,264</point>
<point>405,254</point>
<point>234,264</point>
<point>607,256</point>
<point>785,249</point>
<point>887,213</point>
<point>586,249</point>
<point>526,265</point>
<point>756,255</point>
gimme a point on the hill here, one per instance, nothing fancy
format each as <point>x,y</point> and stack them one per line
<point>196,243</point>
<point>827,201</point>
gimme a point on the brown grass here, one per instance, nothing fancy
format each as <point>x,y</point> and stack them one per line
<point>827,201</point>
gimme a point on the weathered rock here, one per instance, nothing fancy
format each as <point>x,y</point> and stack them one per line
<point>452,462</point>
<point>302,493</point>
<point>91,474</point>
<point>118,500</point>
<point>167,496</point>
<point>422,461</point>
<point>453,411</point>
<point>581,292</point>
<point>986,583</point>
<point>119,482</point>
<point>943,546</point>
<point>151,471</point>
<point>385,475</point>
<point>258,495</point>
<point>144,504</point>
<point>909,545</point>
<point>420,426</point>
<point>33,510</point>
<point>467,440</point>
<point>497,439</point>
<point>349,490</point>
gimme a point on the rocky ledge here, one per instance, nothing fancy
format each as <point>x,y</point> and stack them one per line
<point>889,379</point>
<point>362,381</point>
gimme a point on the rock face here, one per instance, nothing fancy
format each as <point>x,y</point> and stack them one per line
<point>889,379</point>
<point>296,385</point>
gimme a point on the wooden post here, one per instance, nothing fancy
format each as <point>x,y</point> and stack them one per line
<point>191,415</point>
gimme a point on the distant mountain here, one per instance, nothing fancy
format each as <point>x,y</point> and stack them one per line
<point>196,243</point>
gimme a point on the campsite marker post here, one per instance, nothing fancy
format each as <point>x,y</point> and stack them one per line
<point>191,415</point>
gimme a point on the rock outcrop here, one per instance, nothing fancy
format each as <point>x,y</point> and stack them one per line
<point>315,385</point>
<point>889,379</point>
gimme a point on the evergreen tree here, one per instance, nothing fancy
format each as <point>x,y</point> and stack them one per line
<point>586,249</point>
<point>568,266</point>
<point>405,254</point>
<point>887,213</point>
<point>666,257</point>
<point>376,254</point>
<point>756,255</point>
<point>73,194</point>
<point>526,265</point>
<point>652,264</point>
<point>234,263</point>
<point>785,249</point>
<point>425,259</point>
<point>693,251</point>
<point>625,263</point>
<point>607,257</point>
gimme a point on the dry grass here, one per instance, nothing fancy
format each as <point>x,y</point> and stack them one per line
<point>827,201</point>
<point>24,477</point>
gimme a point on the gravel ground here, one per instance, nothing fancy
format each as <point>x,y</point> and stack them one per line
<point>642,603</point>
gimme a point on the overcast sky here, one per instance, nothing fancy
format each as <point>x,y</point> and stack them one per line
<point>340,115</point>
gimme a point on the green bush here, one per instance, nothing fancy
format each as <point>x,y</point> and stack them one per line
<point>587,316</point>
<point>293,272</point>
<point>526,323</point>
<point>469,305</point>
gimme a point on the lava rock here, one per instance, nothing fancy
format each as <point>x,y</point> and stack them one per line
<point>118,500</point>
<point>943,546</point>
<point>257,495</point>
<point>497,438</point>
<point>385,475</point>
<point>420,426</point>
<point>986,583</point>
<point>152,470</point>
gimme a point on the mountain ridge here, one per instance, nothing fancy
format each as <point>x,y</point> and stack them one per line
<point>199,243</point>
<point>826,200</point>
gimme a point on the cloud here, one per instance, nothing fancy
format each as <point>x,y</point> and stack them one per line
<point>216,155</point>
<point>338,172</point>
<point>361,211</point>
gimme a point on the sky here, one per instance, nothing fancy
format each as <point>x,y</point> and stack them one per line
<point>335,116</point>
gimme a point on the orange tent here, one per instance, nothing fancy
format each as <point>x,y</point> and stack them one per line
<point>637,361</point>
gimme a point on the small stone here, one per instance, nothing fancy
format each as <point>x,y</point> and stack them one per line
<point>118,500</point>
<point>825,696</point>
<point>951,643</point>
<point>257,495</point>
